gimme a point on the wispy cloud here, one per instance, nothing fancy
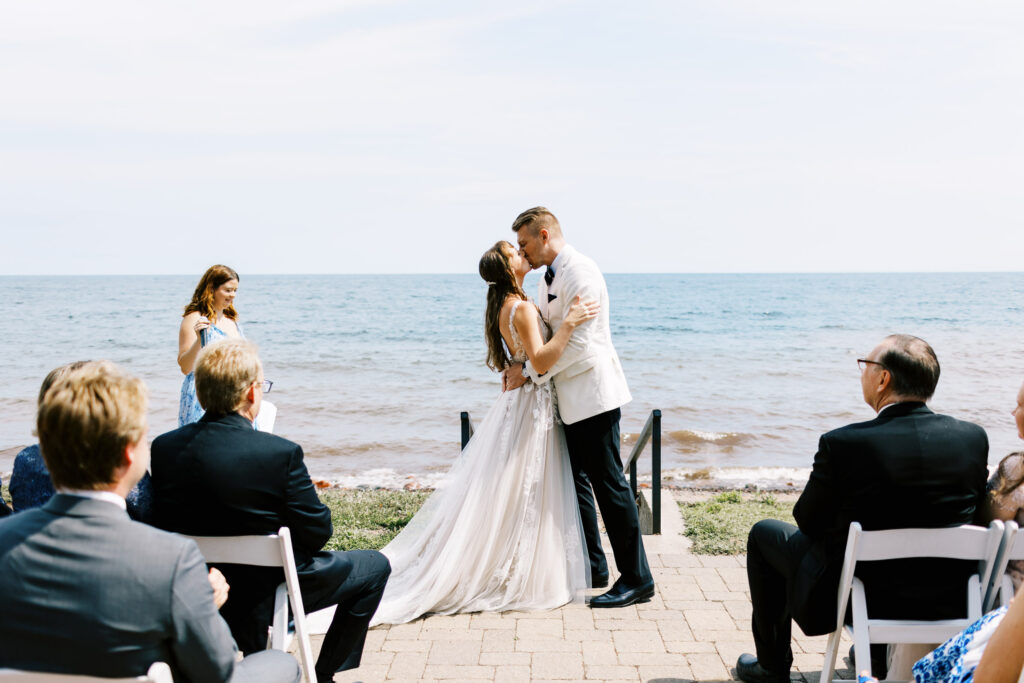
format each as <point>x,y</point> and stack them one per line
<point>722,133</point>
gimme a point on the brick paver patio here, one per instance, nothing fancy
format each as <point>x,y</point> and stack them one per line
<point>693,630</point>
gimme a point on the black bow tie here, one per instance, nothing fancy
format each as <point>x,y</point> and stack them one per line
<point>549,275</point>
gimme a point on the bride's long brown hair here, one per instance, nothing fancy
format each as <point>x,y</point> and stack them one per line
<point>496,270</point>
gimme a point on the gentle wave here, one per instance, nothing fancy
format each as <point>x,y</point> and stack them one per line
<point>737,477</point>
<point>695,436</point>
<point>387,478</point>
<point>775,478</point>
<point>694,440</point>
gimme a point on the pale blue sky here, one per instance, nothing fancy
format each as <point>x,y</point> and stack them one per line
<point>403,136</point>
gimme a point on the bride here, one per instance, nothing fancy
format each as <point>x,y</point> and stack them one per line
<point>502,531</point>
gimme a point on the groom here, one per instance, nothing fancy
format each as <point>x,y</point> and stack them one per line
<point>590,388</point>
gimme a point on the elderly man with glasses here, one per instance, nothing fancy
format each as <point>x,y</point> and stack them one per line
<point>908,467</point>
<point>221,477</point>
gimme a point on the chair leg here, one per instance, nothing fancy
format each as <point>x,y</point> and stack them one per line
<point>974,598</point>
<point>861,635</point>
<point>828,668</point>
<point>302,635</point>
<point>279,630</point>
<point>1006,590</point>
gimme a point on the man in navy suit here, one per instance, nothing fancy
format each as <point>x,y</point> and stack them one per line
<point>221,477</point>
<point>907,468</point>
<point>88,591</point>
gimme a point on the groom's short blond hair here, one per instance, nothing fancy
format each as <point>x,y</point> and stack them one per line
<point>537,219</point>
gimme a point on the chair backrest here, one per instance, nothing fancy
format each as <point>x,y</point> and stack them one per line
<point>966,542</point>
<point>961,543</point>
<point>1013,545</point>
<point>261,551</point>
<point>273,550</point>
<point>159,672</point>
<point>1011,549</point>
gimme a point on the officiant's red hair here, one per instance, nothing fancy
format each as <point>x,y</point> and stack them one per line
<point>496,270</point>
<point>210,282</point>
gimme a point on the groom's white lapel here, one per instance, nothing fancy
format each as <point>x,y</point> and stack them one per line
<point>555,308</point>
<point>542,299</point>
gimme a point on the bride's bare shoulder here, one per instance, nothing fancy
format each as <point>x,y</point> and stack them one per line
<point>526,314</point>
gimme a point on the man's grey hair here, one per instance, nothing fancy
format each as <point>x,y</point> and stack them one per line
<point>913,365</point>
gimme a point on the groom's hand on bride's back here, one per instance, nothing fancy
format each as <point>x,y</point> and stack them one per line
<point>513,377</point>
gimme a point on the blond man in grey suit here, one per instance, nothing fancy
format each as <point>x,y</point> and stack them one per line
<point>590,387</point>
<point>88,591</point>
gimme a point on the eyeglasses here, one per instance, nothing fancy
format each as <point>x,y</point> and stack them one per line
<point>266,384</point>
<point>862,363</point>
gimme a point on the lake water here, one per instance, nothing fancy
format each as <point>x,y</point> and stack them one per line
<point>370,372</point>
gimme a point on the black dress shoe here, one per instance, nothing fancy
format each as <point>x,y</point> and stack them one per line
<point>879,662</point>
<point>598,580</point>
<point>621,595</point>
<point>748,669</point>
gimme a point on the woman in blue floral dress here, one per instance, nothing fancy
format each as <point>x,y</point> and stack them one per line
<point>209,317</point>
<point>956,659</point>
<point>31,486</point>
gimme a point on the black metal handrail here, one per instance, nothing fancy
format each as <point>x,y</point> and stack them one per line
<point>651,432</point>
<point>467,428</point>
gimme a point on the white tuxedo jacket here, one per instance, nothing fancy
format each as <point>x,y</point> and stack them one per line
<point>588,378</point>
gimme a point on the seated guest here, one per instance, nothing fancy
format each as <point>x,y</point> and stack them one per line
<point>908,467</point>
<point>88,591</point>
<point>30,482</point>
<point>1006,493</point>
<point>956,660</point>
<point>220,477</point>
<point>1003,658</point>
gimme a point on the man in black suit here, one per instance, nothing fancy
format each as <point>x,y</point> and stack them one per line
<point>88,591</point>
<point>909,467</point>
<point>221,477</point>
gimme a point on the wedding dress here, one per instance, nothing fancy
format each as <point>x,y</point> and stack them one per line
<point>502,531</point>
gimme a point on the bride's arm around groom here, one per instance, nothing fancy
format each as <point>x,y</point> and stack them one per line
<point>588,375</point>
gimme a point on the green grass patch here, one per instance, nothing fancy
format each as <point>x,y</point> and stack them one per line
<point>368,520</point>
<point>719,526</point>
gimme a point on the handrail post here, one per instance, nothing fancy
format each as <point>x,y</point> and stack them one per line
<point>467,428</point>
<point>651,432</point>
<point>656,472</point>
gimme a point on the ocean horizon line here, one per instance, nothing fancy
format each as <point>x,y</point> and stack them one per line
<point>606,272</point>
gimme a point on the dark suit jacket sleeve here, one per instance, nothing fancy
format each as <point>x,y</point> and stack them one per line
<point>202,645</point>
<point>818,507</point>
<point>306,516</point>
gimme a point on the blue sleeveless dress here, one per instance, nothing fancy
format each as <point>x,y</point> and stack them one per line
<point>189,410</point>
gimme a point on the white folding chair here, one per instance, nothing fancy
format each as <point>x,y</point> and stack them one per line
<point>159,672</point>
<point>1012,548</point>
<point>962,543</point>
<point>274,550</point>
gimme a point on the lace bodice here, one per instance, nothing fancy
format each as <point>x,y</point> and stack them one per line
<point>518,353</point>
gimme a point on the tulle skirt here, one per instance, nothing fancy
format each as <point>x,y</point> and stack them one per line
<point>502,531</point>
